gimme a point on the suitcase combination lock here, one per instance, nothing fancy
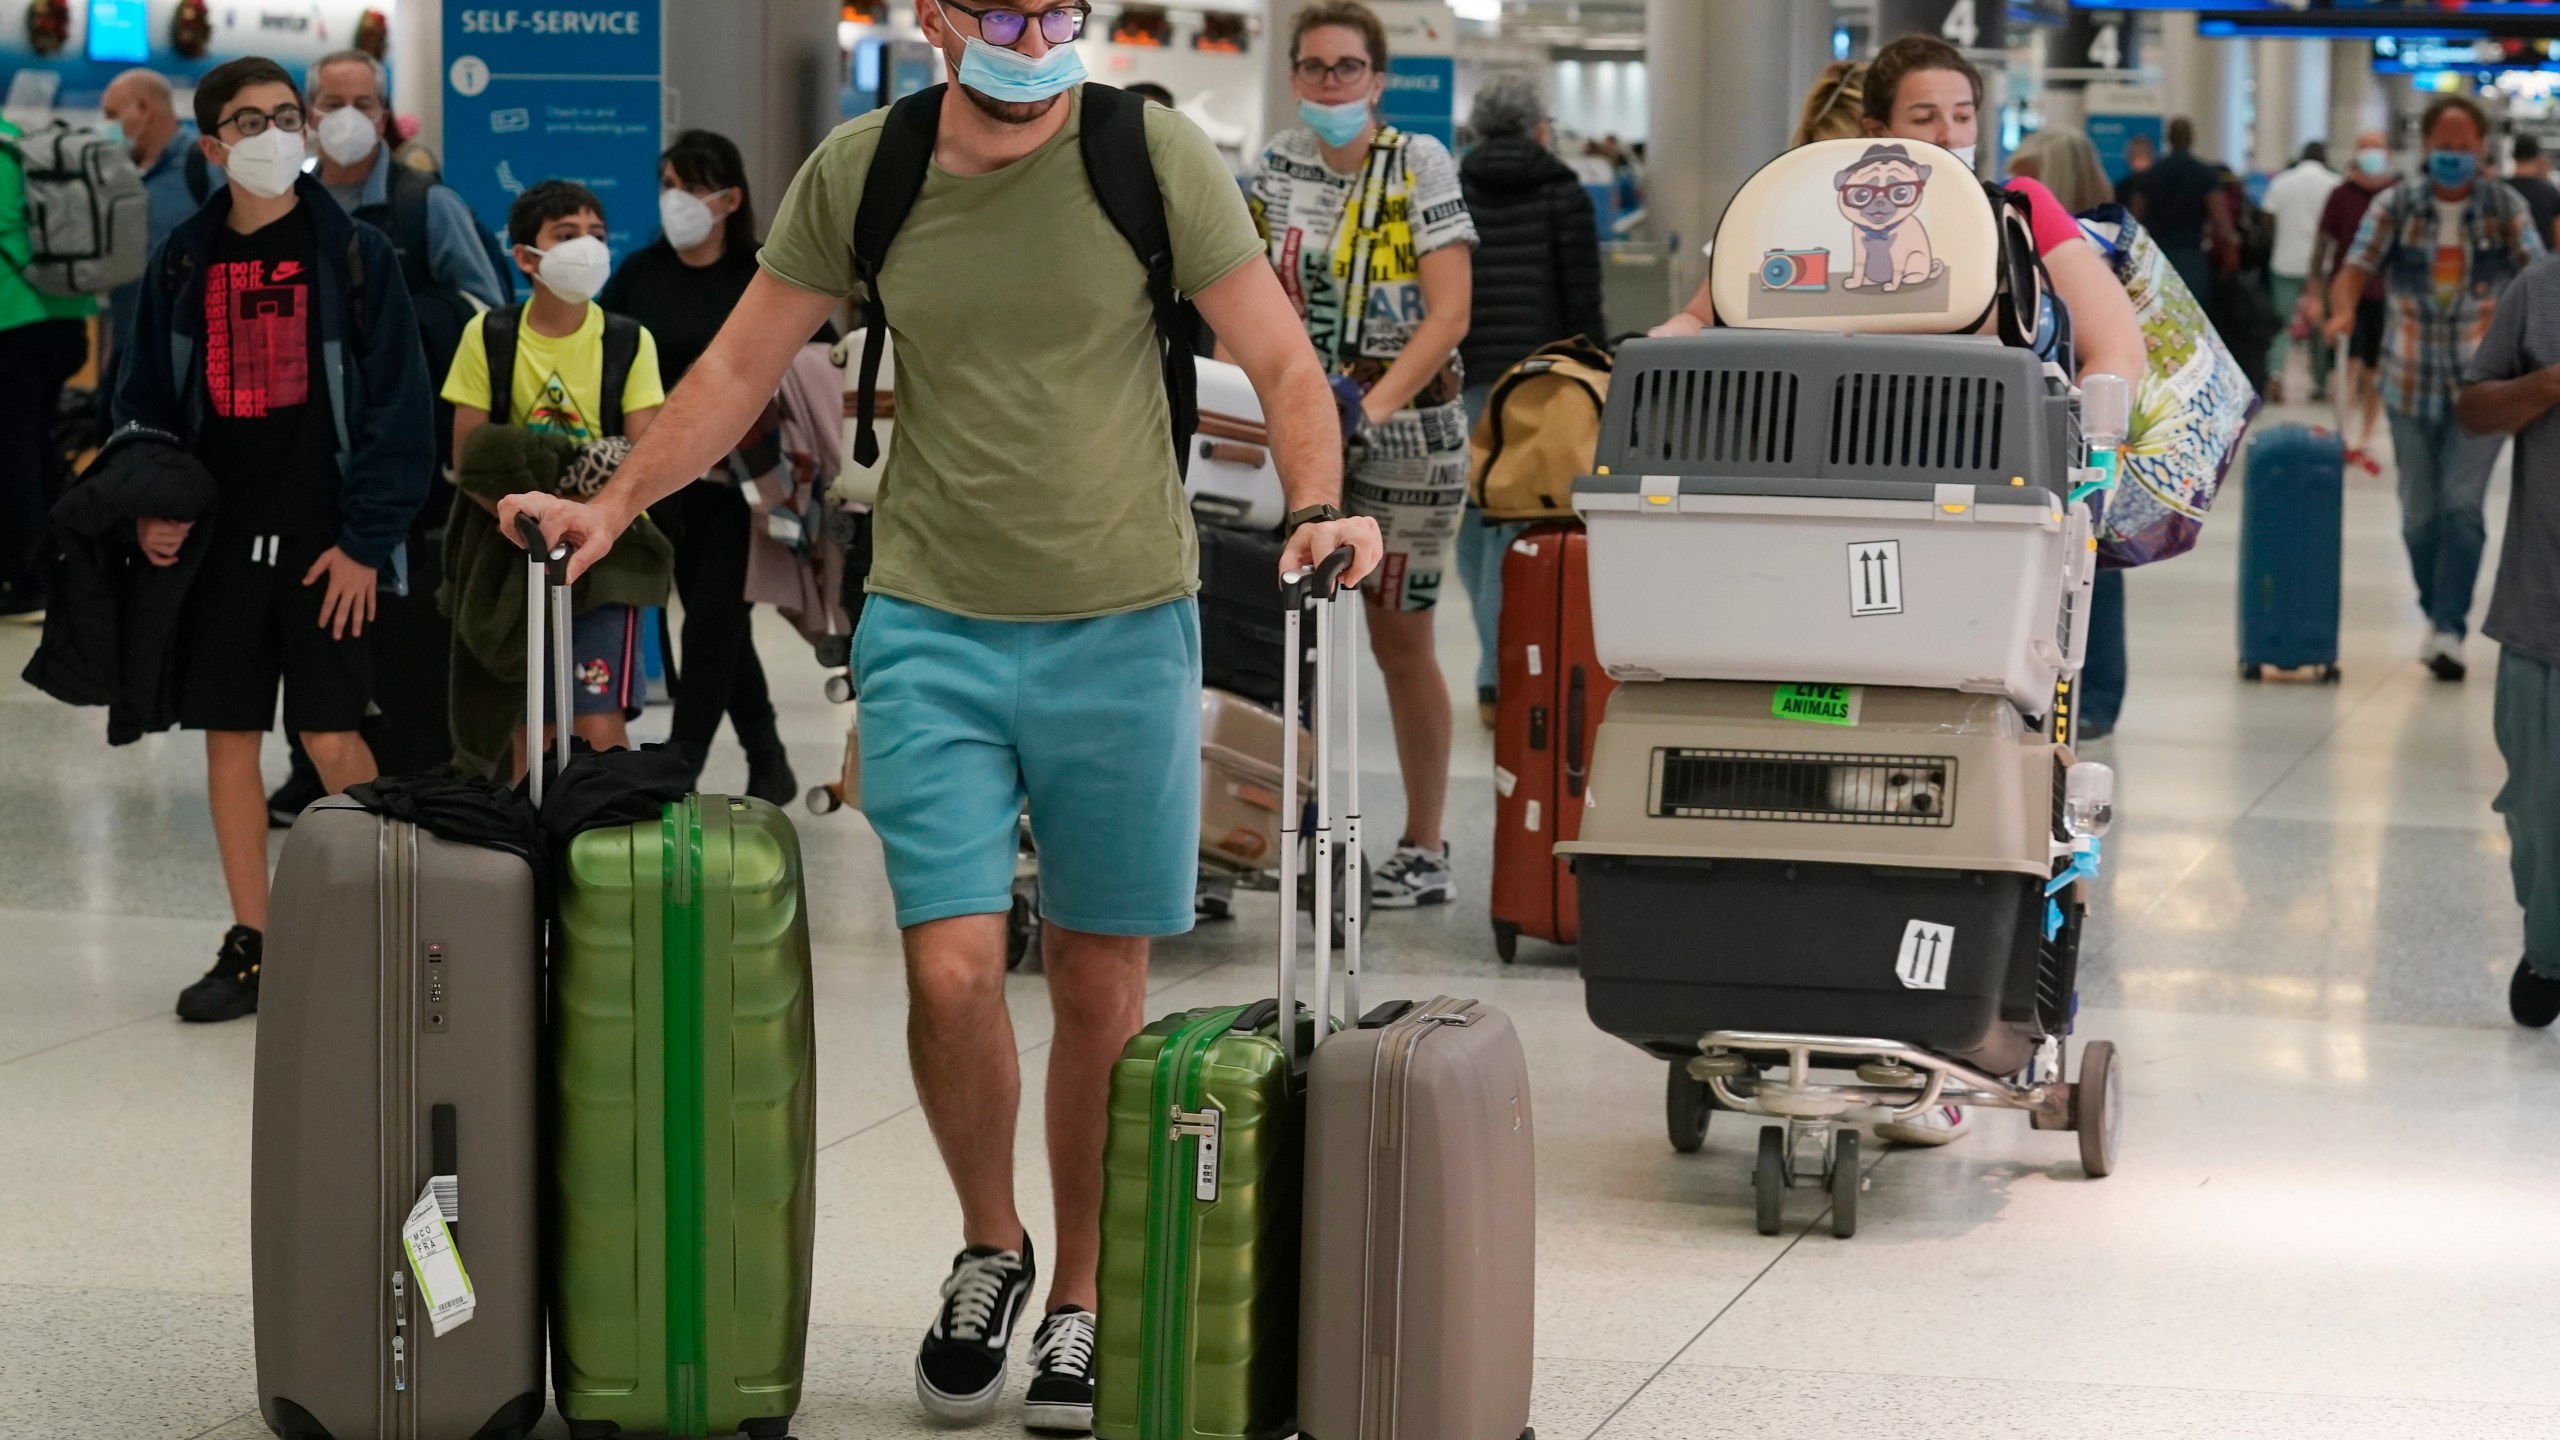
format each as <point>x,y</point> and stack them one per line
<point>1202,1125</point>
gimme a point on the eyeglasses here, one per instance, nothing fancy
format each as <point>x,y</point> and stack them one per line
<point>1004,27</point>
<point>1865,195</point>
<point>1347,71</point>
<point>287,118</point>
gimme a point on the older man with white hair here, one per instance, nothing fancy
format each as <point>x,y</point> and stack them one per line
<point>438,239</point>
<point>141,107</point>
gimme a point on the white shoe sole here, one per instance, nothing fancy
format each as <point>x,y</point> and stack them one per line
<point>965,1409</point>
<point>1058,1419</point>
<point>1413,899</point>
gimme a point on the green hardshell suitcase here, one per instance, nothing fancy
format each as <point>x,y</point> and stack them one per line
<point>685,1125</point>
<point>1202,1172</point>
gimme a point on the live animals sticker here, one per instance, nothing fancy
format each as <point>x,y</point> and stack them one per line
<point>442,1283</point>
<point>1818,704</point>
<point>1926,948</point>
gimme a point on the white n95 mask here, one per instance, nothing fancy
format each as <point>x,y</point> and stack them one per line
<point>265,163</point>
<point>346,136</point>
<point>576,269</point>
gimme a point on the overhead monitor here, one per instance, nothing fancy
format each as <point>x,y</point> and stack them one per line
<point>120,31</point>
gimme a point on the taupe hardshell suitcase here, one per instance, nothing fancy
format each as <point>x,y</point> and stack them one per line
<point>397,1038</point>
<point>1417,1296</point>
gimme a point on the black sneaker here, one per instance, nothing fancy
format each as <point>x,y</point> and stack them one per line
<point>2533,998</point>
<point>230,989</point>
<point>287,802</point>
<point>769,776</point>
<point>960,1369</point>
<point>1060,1400</point>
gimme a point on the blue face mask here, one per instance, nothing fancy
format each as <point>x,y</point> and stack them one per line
<point>1002,74</point>
<point>114,130</point>
<point>1335,124</point>
<point>2452,168</point>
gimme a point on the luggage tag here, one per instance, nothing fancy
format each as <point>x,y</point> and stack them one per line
<point>443,1285</point>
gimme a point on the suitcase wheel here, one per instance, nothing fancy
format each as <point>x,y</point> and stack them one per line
<point>2330,674</point>
<point>2097,1108</point>
<point>825,799</point>
<point>1687,1106</point>
<point>1844,1182</point>
<point>2252,671</point>
<point>839,689</point>
<point>1506,943</point>
<point>1769,1180</point>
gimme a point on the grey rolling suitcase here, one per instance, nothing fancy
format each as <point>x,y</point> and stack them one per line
<point>1418,1249</point>
<point>397,1035</point>
<point>394,1147</point>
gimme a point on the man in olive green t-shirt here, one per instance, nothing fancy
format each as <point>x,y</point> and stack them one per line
<point>44,339</point>
<point>1030,632</point>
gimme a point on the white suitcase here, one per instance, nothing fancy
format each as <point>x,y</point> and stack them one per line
<point>1948,586</point>
<point>1228,475</point>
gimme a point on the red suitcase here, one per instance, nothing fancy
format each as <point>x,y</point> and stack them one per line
<point>1552,691</point>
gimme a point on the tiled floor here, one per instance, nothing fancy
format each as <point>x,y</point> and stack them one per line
<point>2334,1216</point>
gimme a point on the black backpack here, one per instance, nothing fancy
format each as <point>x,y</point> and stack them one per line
<point>498,343</point>
<point>1123,176</point>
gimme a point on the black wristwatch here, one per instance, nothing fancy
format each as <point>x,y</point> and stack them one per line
<point>1313,514</point>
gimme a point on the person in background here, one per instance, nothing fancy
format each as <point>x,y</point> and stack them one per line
<point>2180,201</point>
<point>2510,387</point>
<point>2446,245</point>
<point>2139,156</point>
<point>280,348</point>
<point>1835,108</point>
<point>1151,92</point>
<point>558,230</point>
<point>1536,280</point>
<point>2068,165</point>
<point>1922,88</point>
<point>140,106</point>
<point>2369,176</point>
<point>1393,335</point>
<point>44,339</point>
<point>2297,198</point>
<point>2530,177</point>
<point>682,286</point>
<point>348,111</point>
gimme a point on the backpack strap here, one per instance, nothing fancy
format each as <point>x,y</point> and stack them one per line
<point>409,190</point>
<point>1123,176</point>
<point>621,349</point>
<point>498,346</point>
<point>889,191</point>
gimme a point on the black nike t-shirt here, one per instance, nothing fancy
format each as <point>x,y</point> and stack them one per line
<point>268,438</point>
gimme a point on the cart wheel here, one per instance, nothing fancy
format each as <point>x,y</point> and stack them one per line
<point>1506,943</point>
<point>1769,1179</point>
<point>1021,933</point>
<point>824,800</point>
<point>2097,1108</point>
<point>840,689</point>
<point>2252,671</point>
<point>1687,1105</point>
<point>1844,1184</point>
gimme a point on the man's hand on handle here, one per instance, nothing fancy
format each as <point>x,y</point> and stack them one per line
<point>588,529</point>
<point>1312,542</point>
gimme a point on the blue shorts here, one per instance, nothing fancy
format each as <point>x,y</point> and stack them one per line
<point>607,680</point>
<point>1095,723</point>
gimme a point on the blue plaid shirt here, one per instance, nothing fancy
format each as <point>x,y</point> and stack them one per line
<point>2426,342</point>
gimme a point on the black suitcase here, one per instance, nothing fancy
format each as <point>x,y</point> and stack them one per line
<point>1241,613</point>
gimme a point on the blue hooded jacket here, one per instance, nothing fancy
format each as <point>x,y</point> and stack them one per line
<point>380,395</point>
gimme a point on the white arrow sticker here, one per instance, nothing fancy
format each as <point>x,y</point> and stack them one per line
<point>1875,577</point>
<point>1926,948</point>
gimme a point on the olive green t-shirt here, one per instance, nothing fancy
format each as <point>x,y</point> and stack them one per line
<point>1030,475</point>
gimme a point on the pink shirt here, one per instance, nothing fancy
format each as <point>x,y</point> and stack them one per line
<point>2045,216</point>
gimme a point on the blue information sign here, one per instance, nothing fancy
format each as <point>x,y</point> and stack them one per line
<point>2113,134</point>
<point>563,91</point>
<point>1422,96</point>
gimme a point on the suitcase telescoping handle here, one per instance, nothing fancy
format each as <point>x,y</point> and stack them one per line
<point>1313,598</point>
<point>546,576</point>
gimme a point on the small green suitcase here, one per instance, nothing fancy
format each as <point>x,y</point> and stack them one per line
<point>1202,1185</point>
<point>685,1136</point>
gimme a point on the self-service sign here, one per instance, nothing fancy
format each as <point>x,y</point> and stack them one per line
<point>559,91</point>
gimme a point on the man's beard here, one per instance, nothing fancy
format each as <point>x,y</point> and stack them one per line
<point>1010,112</point>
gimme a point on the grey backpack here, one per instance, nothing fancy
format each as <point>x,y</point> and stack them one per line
<point>88,217</point>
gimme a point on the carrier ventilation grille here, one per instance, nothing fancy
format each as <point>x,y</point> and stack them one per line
<point>1705,418</point>
<point>1917,422</point>
<point>1915,790</point>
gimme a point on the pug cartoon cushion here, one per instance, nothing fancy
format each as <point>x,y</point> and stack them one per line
<point>1859,236</point>
<point>1881,196</point>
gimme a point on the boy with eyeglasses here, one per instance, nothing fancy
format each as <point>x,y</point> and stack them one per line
<point>1030,630</point>
<point>274,339</point>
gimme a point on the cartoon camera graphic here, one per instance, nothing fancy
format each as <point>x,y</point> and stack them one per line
<point>1795,270</point>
